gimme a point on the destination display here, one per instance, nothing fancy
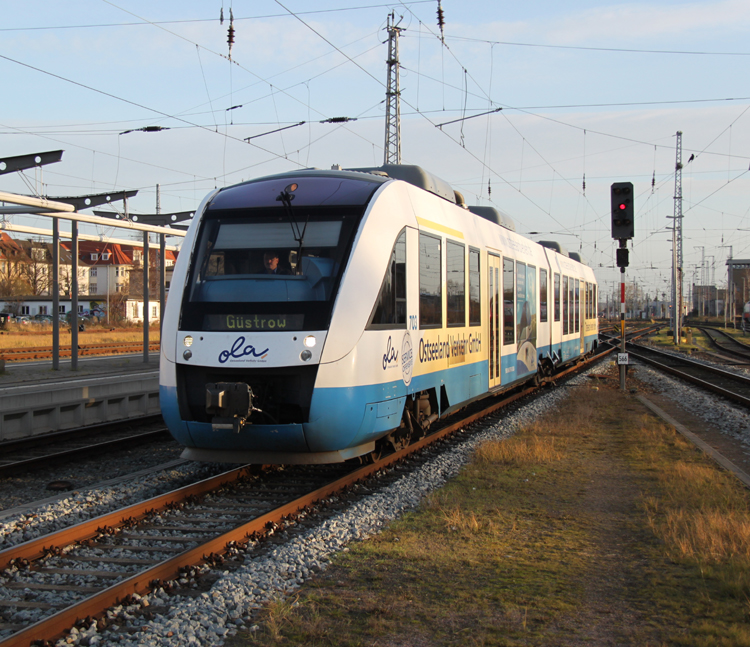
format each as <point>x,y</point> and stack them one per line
<point>253,323</point>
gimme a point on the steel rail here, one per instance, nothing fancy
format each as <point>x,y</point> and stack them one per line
<point>73,434</point>
<point>56,625</point>
<point>731,395</point>
<point>725,345</point>
<point>21,354</point>
<point>107,445</point>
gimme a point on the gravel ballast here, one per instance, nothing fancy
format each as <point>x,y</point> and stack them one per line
<point>272,571</point>
<point>214,614</point>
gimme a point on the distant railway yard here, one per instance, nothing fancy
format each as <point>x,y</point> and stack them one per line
<point>573,515</point>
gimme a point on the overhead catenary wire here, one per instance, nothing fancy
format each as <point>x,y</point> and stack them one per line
<point>467,115</point>
<point>208,20</point>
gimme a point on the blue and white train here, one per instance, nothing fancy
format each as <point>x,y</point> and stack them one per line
<point>392,305</point>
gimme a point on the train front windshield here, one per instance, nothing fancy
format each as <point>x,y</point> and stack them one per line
<point>268,269</point>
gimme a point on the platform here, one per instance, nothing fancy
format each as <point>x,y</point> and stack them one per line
<point>34,399</point>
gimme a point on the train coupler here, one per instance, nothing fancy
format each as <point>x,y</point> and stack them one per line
<point>231,404</point>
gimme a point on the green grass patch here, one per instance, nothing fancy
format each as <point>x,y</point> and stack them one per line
<point>596,525</point>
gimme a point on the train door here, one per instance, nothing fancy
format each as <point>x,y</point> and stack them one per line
<point>495,301</point>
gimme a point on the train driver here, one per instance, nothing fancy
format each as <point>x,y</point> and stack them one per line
<point>271,263</point>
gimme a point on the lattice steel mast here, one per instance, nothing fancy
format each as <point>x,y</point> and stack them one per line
<point>677,244</point>
<point>393,97</point>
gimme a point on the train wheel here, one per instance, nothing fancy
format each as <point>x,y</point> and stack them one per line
<point>401,437</point>
<point>371,457</point>
<point>398,439</point>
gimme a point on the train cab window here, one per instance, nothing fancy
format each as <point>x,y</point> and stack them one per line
<point>577,309</point>
<point>542,296</point>
<point>390,308</point>
<point>475,303</point>
<point>565,305</point>
<point>509,285</point>
<point>230,280</point>
<point>455,283</point>
<point>430,282</point>
<point>557,297</point>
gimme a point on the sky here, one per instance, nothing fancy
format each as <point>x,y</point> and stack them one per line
<point>551,103</point>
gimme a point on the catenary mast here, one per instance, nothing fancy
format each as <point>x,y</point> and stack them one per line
<point>677,245</point>
<point>393,97</point>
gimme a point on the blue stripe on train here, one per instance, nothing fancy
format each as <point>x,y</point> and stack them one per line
<point>350,416</point>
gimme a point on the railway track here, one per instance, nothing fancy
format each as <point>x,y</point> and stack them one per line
<point>22,455</point>
<point>725,383</point>
<point>727,344</point>
<point>56,580</point>
<point>45,352</point>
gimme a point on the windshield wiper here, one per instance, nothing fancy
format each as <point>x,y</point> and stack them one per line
<point>286,197</point>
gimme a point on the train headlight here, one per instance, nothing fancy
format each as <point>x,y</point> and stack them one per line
<point>187,354</point>
<point>310,341</point>
<point>305,355</point>
<point>188,341</point>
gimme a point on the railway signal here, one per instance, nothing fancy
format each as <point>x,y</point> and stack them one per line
<point>623,229</point>
<point>623,226</point>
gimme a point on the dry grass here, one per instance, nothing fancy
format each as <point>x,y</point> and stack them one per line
<point>556,536</point>
<point>43,338</point>
<point>459,520</point>
<point>278,612</point>
<point>708,536</point>
<point>701,513</point>
<point>519,451</point>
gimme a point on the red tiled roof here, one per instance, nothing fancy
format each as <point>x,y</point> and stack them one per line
<point>118,254</point>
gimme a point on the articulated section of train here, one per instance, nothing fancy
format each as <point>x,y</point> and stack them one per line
<point>318,316</point>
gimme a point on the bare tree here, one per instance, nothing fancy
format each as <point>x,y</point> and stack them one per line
<point>13,261</point>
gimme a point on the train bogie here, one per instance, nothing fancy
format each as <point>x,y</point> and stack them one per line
<point>392,304</point>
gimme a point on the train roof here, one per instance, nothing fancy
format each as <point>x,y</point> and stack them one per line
<point>554,246</point>
<point>414,175</point>
<point>493,215</point>
<point>229,197</point>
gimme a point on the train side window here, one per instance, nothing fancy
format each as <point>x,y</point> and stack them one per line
<point>522,306</point>
<point>455,283</point>
<point>565,305</point>
<point>475,300</point>
<point>577,309</point>
<point>571,305</point>
<point>390,307</point>
<point>430,282</point>
<point>585,290</point>
<point>509,289</point>
<point>557,297</point>
<point>542,296</point>
<point>595,302</point>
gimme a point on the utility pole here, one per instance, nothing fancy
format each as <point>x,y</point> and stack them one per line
<point>702,289</point>
<point>677,245</point>
<point>729,300</point>
<point>393,97</point>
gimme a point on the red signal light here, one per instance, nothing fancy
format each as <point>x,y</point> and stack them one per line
<point>623,206</point>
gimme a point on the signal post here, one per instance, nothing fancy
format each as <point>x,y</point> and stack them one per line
<point>623,228</point>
